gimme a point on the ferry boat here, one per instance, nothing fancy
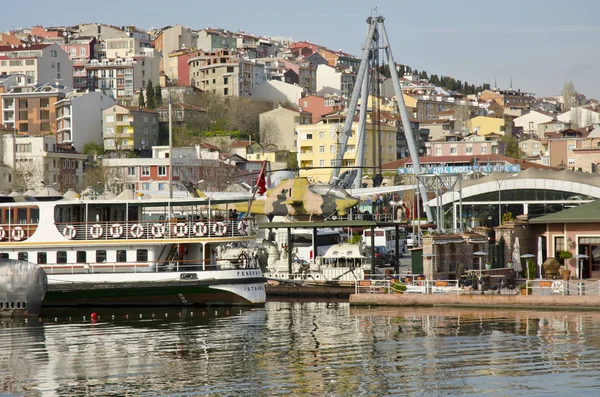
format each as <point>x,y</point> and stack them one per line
<point>133,252</point>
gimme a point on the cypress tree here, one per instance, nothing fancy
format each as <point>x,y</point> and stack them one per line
<point>150,95</point>
<point>158,96</point>
<point>141,102</point>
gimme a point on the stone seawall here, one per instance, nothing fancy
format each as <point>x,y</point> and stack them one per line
<point>557,302</point>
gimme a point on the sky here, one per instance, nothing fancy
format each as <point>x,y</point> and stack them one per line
<point>539,44</point>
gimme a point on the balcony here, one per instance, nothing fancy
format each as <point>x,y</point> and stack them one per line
<point>80,74</point>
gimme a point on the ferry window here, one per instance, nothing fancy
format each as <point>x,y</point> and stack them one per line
<point>4,255</point>
<point>22,215</point>
<point>142,255</point>
<point>42,258</point>
<point>23,256</point>
<point>121,256</point>
<point>101,256</point>
<point>34,215</point>
<point>81,256</point>
<point>61,257</point>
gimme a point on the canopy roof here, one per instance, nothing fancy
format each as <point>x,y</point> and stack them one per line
<point>585,213</point>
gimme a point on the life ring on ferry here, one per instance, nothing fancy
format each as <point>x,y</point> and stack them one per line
<point>18,233</point>
<point>2,233</point>
<point>68,232</point>
<point>96,230</point>
<point>180,229</point>
<point>116,230</point>
<point>242,227</point>
<point>219,229</point>
<point>136,231</point>
<point>200,229</point>
<point>158,230</point>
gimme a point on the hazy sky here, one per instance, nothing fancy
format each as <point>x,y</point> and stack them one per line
<point>540,43</point>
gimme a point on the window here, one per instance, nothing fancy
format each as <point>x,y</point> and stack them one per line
<point>308,136</point>
<point>81,256</point>
<point>321,163</point>
<point>225,91</point>
<point>524,146</point>
<point>452,150</point>
<point>571,147</point>
<point>145,171</point>
<point>321,135</point>
<point>162,171</point>
<point>161,186</point>
<point>44,103</point>
<point>53,53</point>
<point>438,151</point>
<point>390,150</point>
<point>389,136</point>
<point>484,150</point>
<point>469,150</point>
<point>121,256</point>
<point>22,256</point>
<point>322,149</point>
<point>142,255</point>
<point>225,80</point>
<point>131,171</point>
<point>61,257</point>
<point>42,258</point>
<point>101,256</point>
<point>23,104</point>
<point>559,245</point>
<point>331,148</point>
<point>82,51</point>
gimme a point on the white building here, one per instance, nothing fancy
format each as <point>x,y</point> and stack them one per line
<point>39,161</point>
<point>278,91</point>
<point>120,78</point>
<point>529,122</point>
<point>580,116</point>
<point>335,81</point>
<point>44,63</point>
<point>125,47</point>
<point>79,118</point>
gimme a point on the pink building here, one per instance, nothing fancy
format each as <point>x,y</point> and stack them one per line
<point>80,51</point>
<point>465,148</point>
<point>318,106</point>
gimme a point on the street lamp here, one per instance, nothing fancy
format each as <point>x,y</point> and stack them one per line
<point>499,182</point>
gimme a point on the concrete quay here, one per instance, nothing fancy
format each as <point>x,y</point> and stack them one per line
<point>553,302</point>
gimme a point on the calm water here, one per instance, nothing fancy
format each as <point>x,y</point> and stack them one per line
<point>302,349</point>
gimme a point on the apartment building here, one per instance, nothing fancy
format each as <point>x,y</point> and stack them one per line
<point>30,109</point>
<point>509,97</point>
<point>170,39</point>
<point>225,74</point>
<point>335,80</point>
<point>37,162</point>
<point>44,63</point>
<point>129,129</point>
<point>476,147</point>
<point>121,78</point>
<point>318,145</point>
<point>278,127</point>
<point>79,118</point>
<point>80,51</point>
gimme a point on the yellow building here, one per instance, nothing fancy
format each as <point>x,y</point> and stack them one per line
<point>486,125</point>
<point>318,144</point>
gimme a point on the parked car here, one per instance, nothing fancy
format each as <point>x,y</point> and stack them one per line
<point>410,240</point>
<point>383,256</point>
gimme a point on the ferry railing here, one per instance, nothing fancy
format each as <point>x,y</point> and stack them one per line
<point>156,230</point>
<point>148,266</point>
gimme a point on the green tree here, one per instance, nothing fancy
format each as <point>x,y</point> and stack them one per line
<point>93,149</point>
<point>512,147</point>
<point>150,98</point>
<point>141,102</point>
<point>158,96</point>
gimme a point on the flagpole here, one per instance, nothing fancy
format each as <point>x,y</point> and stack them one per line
<point>170,149</point>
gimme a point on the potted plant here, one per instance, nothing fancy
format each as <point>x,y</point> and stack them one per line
<point>526,288</point>
<point>488,266</point>
<point>510,264</point>
<point>564,256</point>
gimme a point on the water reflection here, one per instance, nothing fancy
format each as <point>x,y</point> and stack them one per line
<point>301,348</point>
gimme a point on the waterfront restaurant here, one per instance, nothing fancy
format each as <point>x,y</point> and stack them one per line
<point>576,230</point>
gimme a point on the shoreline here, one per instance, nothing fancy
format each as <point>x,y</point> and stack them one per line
<point>558,302</point>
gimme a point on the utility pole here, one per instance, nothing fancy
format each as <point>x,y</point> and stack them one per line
<point>170,148</point>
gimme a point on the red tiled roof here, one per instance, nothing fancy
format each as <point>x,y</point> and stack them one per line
<point>183,106</point>
<point>240,144</point>
<point>205,145</point>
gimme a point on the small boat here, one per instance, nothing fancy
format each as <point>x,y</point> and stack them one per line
<point>132,252</point>
<point>22,288</point>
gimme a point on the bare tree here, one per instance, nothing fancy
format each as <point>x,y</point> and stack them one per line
<point>28,174</point>
<point>269,130</point>
<point>575,117</point>
<point>570,96</point>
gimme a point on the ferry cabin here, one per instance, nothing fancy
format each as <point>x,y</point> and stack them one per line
<point>106,235</point>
